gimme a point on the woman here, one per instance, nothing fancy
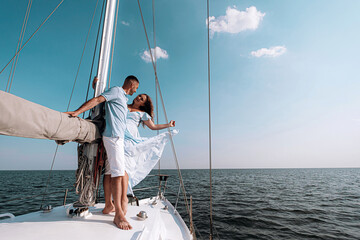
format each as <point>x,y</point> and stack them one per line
<point>141,154</point>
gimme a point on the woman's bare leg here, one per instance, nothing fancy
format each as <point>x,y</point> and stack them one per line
<point>124,199</point>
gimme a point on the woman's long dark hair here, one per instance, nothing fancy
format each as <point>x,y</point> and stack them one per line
<point>148,107</point>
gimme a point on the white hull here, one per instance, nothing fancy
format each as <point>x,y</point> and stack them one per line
<point>57,225</point>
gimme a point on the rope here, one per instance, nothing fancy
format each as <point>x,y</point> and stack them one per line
<point>166,118</point>
<point>21,37</point>
<point>113,42</point>
<point>209,94</point>
<point>67,109</point>
<point>177,198</point>
<point>142,189</point>
<point>84,174</point>
<point>31,36</point>
<point>156,94</point>
<point>31,196</point>
<point>93,60</point>
<point>82,55</point>
<point>48,180</point>
<point>198,232</point>
<point>84,185</point>
<point>154,32</point>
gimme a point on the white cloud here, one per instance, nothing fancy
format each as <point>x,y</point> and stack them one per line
<point>125,23</point>
<point>160,53</point>
<point>236,21</point>
<point>269,52</point>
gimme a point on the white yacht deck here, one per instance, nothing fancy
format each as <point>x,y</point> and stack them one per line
<point>56,224</point>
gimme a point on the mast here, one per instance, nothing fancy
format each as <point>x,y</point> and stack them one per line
<point>105,50</point>
<point>89,152</point>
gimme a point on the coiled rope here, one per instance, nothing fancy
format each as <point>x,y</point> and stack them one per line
<point>84,184</point>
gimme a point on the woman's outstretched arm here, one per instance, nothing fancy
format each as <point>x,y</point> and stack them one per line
<point>153,126</point>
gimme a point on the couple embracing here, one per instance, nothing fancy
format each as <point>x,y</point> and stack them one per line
<point>123,144</point>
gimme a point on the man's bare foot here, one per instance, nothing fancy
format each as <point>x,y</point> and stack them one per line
<point>122,223</point>
<point>108,209</point>
<point>124,204</point>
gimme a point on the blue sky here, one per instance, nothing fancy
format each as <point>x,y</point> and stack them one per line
<point>285,88</point>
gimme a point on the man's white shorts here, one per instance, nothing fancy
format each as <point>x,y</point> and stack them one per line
<point>115,164</point>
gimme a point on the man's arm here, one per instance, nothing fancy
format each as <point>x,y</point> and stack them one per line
<point>88,105</point>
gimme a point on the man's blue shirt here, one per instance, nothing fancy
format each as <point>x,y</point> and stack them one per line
<point>115,112</point>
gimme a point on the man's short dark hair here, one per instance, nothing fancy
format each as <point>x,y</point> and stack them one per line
<point>130,79</point>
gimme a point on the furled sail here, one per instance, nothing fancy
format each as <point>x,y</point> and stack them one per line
<point>22,118</point>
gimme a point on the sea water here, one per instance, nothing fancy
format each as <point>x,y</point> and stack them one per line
<point>247,204</point>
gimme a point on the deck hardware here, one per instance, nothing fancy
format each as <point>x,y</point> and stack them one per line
<point>78,212</point>
<point>133,200</point>
<point>5,215</point>
<point>142,215</point>
<point>47,208</point>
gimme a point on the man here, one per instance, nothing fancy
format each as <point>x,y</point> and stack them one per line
<point>113,138</point>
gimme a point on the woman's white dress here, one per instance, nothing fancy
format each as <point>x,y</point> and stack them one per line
<point>141,154</point>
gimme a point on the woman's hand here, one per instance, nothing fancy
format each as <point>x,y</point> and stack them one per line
<point>172,123</point>
<point>152,126</point>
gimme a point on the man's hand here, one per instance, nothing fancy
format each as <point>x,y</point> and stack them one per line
<point>94,82</point>
<point>72,114</point>
<point>87,106</point>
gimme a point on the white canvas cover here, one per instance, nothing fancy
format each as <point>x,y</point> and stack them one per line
<point>22,118</point>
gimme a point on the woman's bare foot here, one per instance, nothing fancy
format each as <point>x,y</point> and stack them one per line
<point>122,223</point>
<point>124,204</point>
<point>108,209</point>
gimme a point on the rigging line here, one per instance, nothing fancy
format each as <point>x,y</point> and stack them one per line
<point>18,44</point>
<point>209,95</point>
<point>57,147</point>
<point>31,196</point>
<point>162,101</point>
<point>17,57</point>
<point>81,58</point>
<point>157,114</point>
<point>113,42</point>
<point>153,10</point>
<point>93,60</point>
<point>20,39</point>
<point>32,36</point>
<point>166,118</point>
<point>156,94</point>
<point>48,180</point>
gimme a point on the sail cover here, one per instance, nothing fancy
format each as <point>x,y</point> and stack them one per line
<point>22,118</point>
